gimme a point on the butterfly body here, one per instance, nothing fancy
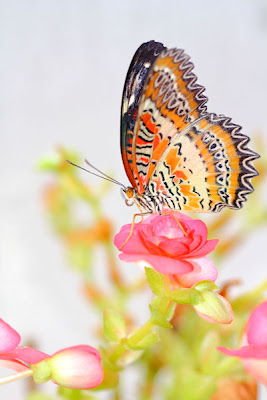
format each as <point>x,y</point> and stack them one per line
<point>176,154</point>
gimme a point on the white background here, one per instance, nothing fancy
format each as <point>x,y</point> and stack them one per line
<point>62,70</point>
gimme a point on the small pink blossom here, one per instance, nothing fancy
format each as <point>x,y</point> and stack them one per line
<point>161,242</point>
<point>77,367</point>
<point>14,356</point>
<point>253,351</point>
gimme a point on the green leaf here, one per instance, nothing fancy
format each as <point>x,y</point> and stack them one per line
<point>49,162</point>
<point>148,341</point>
<point>155,281</point>
<point>185,296</point>
<point>114,326</point>
<point>157,317</point>
<point>205,285</point>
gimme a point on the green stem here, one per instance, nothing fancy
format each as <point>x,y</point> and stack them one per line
<point>139,334</point>
<point>117,353</point>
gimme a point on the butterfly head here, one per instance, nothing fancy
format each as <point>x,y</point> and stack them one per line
<point>129,195</point>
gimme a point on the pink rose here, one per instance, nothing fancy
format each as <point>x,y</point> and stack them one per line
<point>253,351</point>
<point>170,247</point>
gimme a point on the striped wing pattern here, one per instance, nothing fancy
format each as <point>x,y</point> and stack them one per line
<point>177,152</point>
<point>137,74</point>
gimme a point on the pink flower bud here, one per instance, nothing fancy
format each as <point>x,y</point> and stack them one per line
<point>77,367</point>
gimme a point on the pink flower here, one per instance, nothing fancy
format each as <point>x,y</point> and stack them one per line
<point>77,367</point>
<point>170,247</point>
<point>14,356</point>
<point>253,351</point>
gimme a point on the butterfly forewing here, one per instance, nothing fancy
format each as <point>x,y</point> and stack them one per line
<point>170,102</point>
<point>137,74</point>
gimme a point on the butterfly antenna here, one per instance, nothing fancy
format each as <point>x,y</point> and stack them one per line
<point>102,173</point>
<point>107,178</point>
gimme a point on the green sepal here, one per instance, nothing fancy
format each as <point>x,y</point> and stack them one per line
<point>148,341</point>
<point>203,286</point>
<point>157,317</point>
<point>155,281</point>
<point>114,326</point>
<point>41,372</point>
<point>185,296</point>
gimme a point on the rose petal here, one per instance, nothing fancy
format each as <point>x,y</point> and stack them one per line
<point>9,338</point>
<point>167,226</point>
<point>194,241</point>
<point>203,270</point>
<point>165,265</point>
<point>166,211</point>
<point>172,248</point>
<point>207,248</point>
<point>258,352</point>
<point>257,325</point>
<point>134,244</point>
<point>199,228</point>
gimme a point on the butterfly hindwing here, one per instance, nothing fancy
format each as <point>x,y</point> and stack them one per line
<point>206,167</point>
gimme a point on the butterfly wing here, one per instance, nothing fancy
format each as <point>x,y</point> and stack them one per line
<point>206,167</point>
<point>172,147</point>
<point>171,100</point>
<point>137,74</point>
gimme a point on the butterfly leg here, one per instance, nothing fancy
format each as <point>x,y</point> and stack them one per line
<point>178,222</point>
<point>132,227</point>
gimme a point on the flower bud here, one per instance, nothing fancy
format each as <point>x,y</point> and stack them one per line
<point>77,367</point>
<point>214,308</point>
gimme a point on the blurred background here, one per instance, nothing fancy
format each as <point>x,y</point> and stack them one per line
<point>62,70</point>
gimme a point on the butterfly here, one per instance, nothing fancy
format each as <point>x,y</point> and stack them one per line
<point>175,153</point>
